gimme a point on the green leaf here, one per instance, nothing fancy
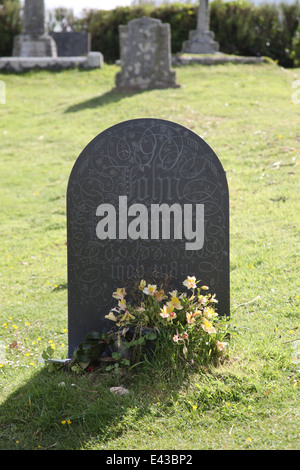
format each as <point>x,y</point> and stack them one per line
<point>151,336</point>
<point>83,365</point>
<point>116,355</point>
<point>93,335</point>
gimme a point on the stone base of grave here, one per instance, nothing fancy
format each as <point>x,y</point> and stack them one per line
<point>217,58</point>
<point>22,64</point>
<point>27,45</point>
<point>200,42</point>
<point>136,83</point>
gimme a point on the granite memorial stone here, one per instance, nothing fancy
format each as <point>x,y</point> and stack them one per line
<point>72,43</point>
<point>201,41</point>
<point>34,41</point>
<point>145,54</point>
<point>146,197</point>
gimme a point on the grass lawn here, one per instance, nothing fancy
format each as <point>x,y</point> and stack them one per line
<point>245,113</point>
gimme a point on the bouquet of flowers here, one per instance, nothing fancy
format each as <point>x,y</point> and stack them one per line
<point>188,320</point>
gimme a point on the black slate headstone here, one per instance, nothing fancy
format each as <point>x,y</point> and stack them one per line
<point>72,43</point>
<point>146,197</point>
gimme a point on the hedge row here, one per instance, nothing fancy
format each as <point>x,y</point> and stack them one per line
<point>10,25</point>
<point>240,27</point>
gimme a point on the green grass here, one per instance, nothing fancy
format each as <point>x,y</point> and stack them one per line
<point>251,401</point>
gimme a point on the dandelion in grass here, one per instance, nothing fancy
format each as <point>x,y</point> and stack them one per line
<point>64,421</point>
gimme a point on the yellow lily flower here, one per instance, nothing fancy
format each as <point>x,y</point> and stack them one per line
<point>174,303</point>
<point>111,316</point>
<point>190,282</point>
<point>120,293</point>
<point>160,295</point>
<point>122,304</point>
<point>127,316</point>
<point>208,327</point>
<point>190,317</point>
<point>150,289</point>
<point>142,284</point>
<point>221,345</point>
<point>164,312</point>
<point>209,312</point>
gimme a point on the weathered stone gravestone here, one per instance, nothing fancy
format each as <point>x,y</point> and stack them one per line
<point>145,53</point>
<point>146,197</point>
<point>201,41</point>
<point>34,42</point>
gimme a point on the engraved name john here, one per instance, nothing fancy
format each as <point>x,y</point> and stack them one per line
<point>157,222</point>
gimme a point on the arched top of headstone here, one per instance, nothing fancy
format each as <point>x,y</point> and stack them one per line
<point>144,20</point>
<point>173,146</point>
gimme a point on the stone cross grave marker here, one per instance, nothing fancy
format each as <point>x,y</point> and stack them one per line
<point>146,197</point>
<point>34,41</point>
<point>201,41</point>
<point>145,53</point>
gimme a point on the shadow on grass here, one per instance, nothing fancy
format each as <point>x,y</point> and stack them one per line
<point>103,100</point>
<point>60,410</point>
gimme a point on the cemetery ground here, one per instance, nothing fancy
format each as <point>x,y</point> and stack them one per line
<point>250,117</point>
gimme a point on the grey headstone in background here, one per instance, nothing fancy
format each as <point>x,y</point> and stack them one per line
<point>114,238</point>
<point>94,60</point>
<point>34,41</point>
<point>72,43</point>
<point>201,41</point>
<point>145,53</point>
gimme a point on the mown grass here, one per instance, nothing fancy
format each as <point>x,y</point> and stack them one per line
<point>251,401</point>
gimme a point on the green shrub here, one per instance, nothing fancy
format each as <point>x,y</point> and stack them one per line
<point>240,27</point>
<point>265,30</point>
<point>10,25</point>
<point>295,53</point>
